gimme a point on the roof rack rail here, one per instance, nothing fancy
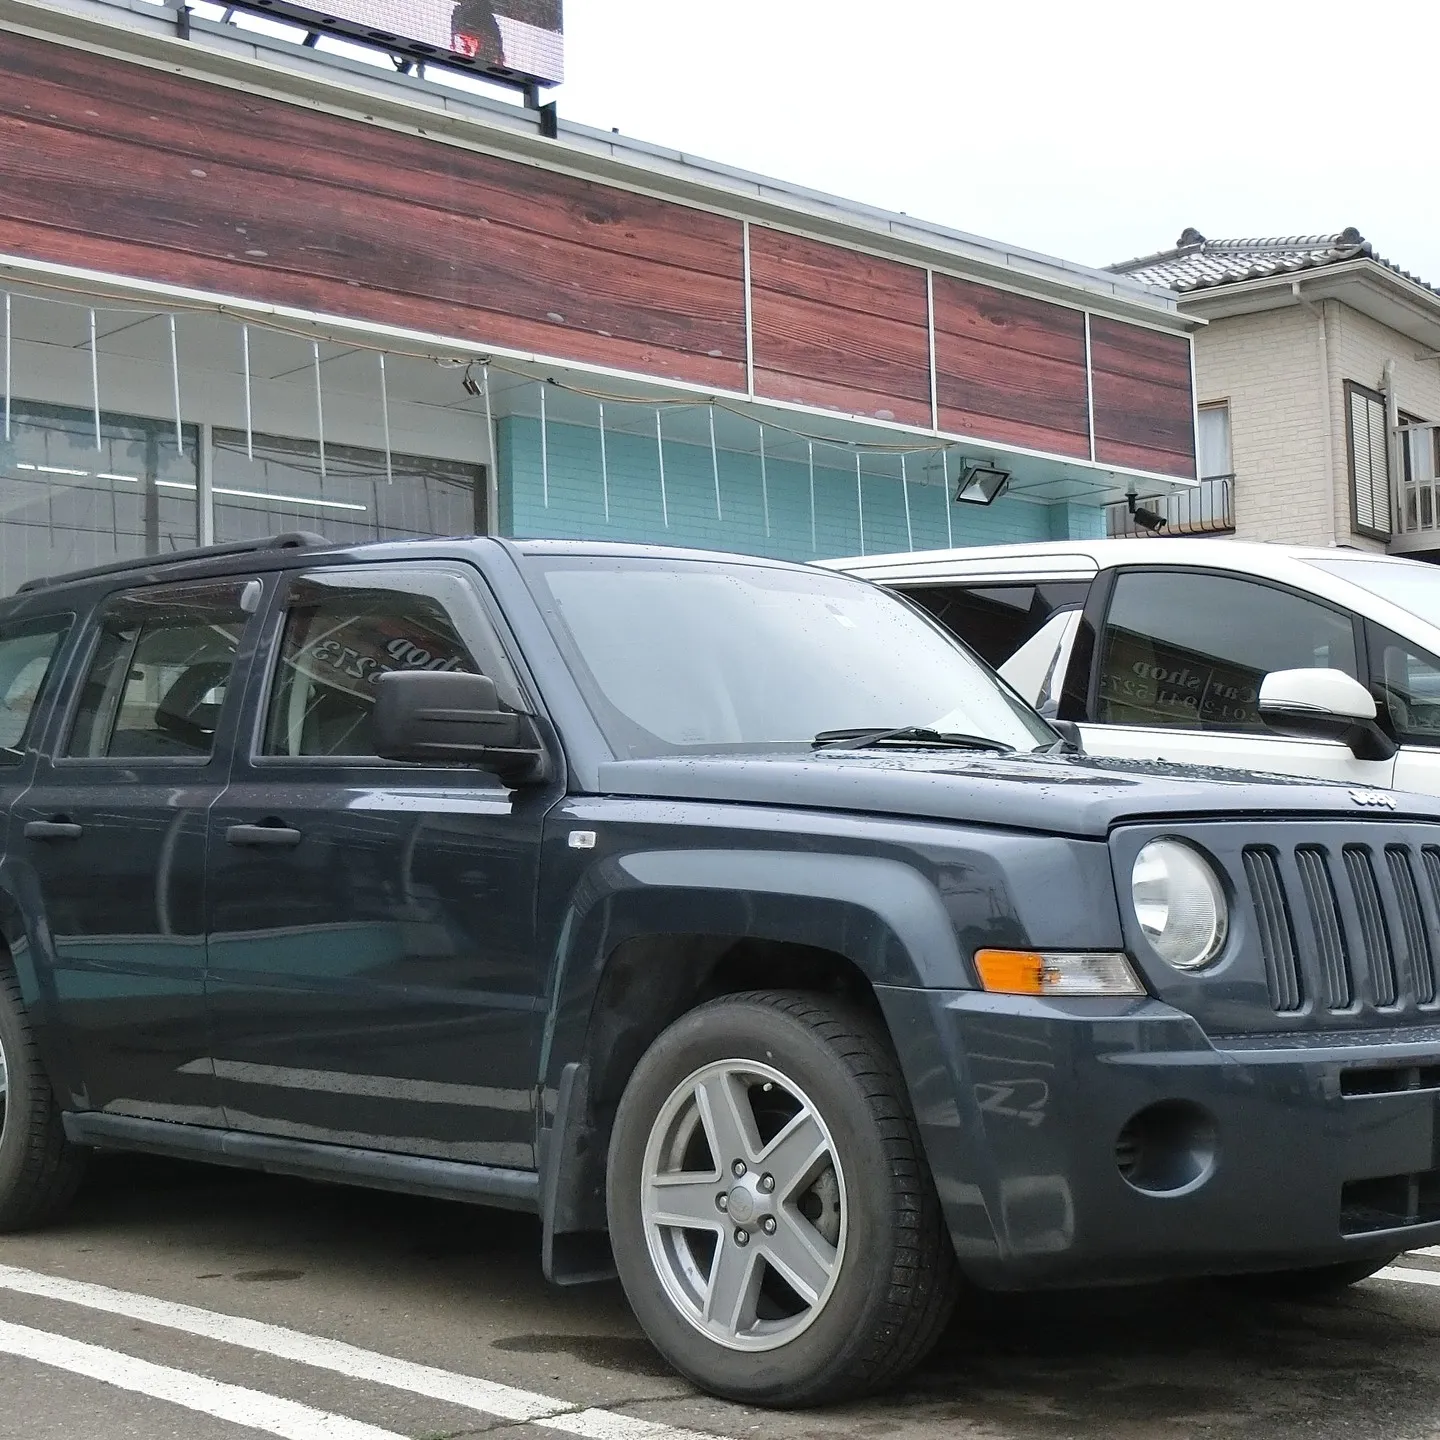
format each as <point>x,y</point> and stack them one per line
<point>290,540</point>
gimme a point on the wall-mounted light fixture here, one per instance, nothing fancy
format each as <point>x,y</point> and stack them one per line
<point>981,484</point>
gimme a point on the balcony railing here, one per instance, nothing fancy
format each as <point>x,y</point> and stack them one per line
<point>1206,510</point>
<point>1417,507</point>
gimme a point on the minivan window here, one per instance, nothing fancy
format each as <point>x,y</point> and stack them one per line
<point>705,654</point>
<point>1407,678</point>
<point>1413,587</point>
<point>159,673</point>
<point>27,652</point>
<point>1189,650</point>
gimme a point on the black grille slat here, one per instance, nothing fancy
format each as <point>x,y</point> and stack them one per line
<point>1277,942</point>
<point>1319,890</point>
<point>1374,932</point>
<point>1420,981</point>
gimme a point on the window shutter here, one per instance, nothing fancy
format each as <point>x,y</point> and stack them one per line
<point>1369,461</point>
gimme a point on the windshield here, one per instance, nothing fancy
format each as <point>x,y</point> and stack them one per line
<point>1413,587</point>
<point>691,655</point>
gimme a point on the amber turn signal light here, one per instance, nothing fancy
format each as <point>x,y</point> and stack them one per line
<point>1033,972</point>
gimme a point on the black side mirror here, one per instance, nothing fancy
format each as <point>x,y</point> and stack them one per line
<point>442,716</point>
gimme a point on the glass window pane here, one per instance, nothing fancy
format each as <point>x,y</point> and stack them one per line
<point>355,500</point>
<point>67,505</point>
<point>1190,650</point>
<point>1215,441</point>
<point>1410,680</point>
<point>160,672</point>
<point>26,653</point>
<point>343,632</point>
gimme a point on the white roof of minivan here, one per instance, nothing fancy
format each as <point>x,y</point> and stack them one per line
<point>1080,559</point>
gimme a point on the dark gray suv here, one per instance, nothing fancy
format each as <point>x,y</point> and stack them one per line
<point>729,915</point>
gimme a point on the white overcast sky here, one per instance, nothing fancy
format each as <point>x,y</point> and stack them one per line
<point>1093,131</point>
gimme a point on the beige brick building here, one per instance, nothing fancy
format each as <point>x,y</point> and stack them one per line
<point>1318,381</point>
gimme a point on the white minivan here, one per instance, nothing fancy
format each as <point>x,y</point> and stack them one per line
<point>1216,652</point>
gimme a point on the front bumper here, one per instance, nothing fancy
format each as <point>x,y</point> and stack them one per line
<point>1257,1153</point>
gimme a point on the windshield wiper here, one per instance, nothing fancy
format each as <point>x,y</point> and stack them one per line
<point>859,739</point>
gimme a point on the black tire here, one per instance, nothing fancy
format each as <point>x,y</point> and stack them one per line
<point>1312,1284</point>
<point>896,1281</point>
<point>40,1169</point>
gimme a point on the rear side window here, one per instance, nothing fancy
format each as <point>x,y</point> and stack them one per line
<point>1189,650</point>
<point>997,620</point>
<point>27,653</point>
<point>160,672</point>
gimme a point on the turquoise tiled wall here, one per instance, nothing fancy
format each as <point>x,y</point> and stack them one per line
<point>577,510</point>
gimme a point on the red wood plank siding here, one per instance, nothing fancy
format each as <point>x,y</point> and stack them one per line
<point>1010,368</point>
<point>838,329</point>
<point>123,168</point>
<point>1144,406</point>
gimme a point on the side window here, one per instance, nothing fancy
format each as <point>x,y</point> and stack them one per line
<point>160,671</point>
<point>1408,679</point>
<point>27,652</point>
<point>997,620</point>
<point>1190,649</point>
<point>345,629</point>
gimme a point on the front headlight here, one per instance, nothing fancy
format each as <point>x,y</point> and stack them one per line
<point>1180,903</point>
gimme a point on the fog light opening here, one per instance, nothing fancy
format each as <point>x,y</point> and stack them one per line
<point>1167,1149</point>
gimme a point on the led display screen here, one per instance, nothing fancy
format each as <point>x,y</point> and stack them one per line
<point>512,39</point>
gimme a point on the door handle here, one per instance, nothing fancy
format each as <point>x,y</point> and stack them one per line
<point>275,835</point>
<point>53,830</point>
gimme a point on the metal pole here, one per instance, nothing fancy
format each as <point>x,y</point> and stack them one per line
<point>604,464</point>
<point>905,485</point>
<point>385,420</point>
<point>175,375</point>
<point>544,449</point>
<point>249,406</point>
<point>660,450</point>
<point>95,377</point>
<point>814,543</point>
<point>715,466</point>
<point>764,482</point>
<point>860,502</point>
<point>319,409</point>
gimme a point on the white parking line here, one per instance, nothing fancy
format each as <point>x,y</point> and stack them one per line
<point>251,1408</point>
<point>1433,1251</point>
<point>467,1391</point>
<point>1409,1277</point>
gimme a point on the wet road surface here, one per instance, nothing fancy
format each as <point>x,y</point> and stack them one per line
<point>196,1302</point>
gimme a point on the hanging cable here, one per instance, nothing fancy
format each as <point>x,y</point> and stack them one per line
<point>319,410</point>
<point>175,376</point>
<point>7,365</point>
<point>860,502</point>
<point>604,464</point>
<point>764,482</point>
<point>715,466</point>
<point>95,378</point>
<point>249,403</point>
<point>385,421</point>
<point>949,508</point>
<point>814,542</point>
<point>660,451</point>
<point>544,449</point>
<point>905,486</point>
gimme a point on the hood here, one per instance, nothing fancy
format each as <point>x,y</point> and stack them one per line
<point>1076,795</point>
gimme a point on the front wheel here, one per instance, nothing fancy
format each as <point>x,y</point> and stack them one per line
<point>772,1215</point>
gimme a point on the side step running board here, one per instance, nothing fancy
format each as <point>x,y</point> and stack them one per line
<point>378,1169</point>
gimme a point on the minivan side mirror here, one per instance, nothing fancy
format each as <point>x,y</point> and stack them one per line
<point>447,717</point>
<point>1324,705</point>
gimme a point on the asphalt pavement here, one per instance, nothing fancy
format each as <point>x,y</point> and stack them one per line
<point>210,1304</point>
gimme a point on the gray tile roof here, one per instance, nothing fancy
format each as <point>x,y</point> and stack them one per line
<point>1198,264</point>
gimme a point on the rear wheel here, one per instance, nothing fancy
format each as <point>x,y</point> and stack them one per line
<point>39,1168</point>
<point>772,1215</point>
